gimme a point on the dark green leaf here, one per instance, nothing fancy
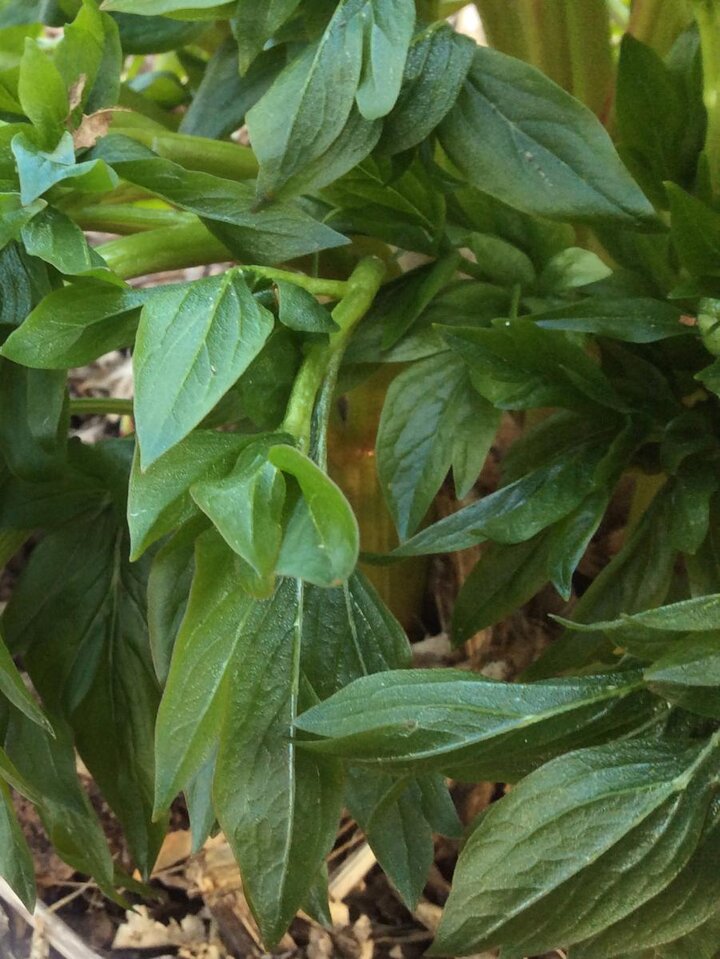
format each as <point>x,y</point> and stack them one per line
<point>159,497</point>
<point>15,690</point>
<point>505,577</point>
<point>610,828</point>
<point>389,812</point>
<point>348,632</point>
<point>467,726</point>
<point>145,34</point>
<point>299,794</point>
<point>437,64</point>
<point>84,638</point>
<point>171,573</point>
<point>651,115</point>
<point>69,819</point>
<point>254,26</point>
<point>299,310</point>
<point>33,421</point>
<point>517,136</point>
<point>76,324</point>
<point>304,113</point>
<point>637,320</point>
<point>196,339</point>
<point>573,268</point>
<point>695,232</point>
<point>519,366</point>
<point>89,60</point>
<point>53,237</point>
<point>271,235</point>
<point>518,511</point>
<point>688,674</point>
<point>431,418</point>
<point>689,615</point>
<point>16,861</point>
<point>224,97</point>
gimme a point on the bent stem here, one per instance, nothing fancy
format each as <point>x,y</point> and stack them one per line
<point>361,287</point>
<point>169,248</point>
<point>100,406</point>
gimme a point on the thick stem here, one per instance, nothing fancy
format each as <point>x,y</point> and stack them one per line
<point>504,28</point>
<point>229,160</point>
<point>170,248</point>
<point>591,60</point>
<point>126,218</point>
<point>658,22</point>
<point>362,285</point>
<point>100,406</point>
<point>707,13</point>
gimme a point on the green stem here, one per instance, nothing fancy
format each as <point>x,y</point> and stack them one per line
<point>125,218</point>
<point>100,406</point>
<point>316,285</point>
<point>225,159</point>
<point>361,287</point>
<point>504,27</point>
<point>658,22</point>
<point>169,248</point>
<point>707,13</point>
<point>590,53</point>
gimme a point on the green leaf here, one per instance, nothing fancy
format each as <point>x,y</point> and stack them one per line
<point>193,703</point>
<point>467,726</point>
<point>504,578</point>
<point>33,421</point>
<point>695,229</point>
<point>169,581</point>
<point>437,64</point>
<point>403,209</point>
<point>224,97</point>
<point>53,237</point>
<point>16,861</point>
<point>89,59</point>
<point>431,417</point>
<point>48,763</point>
<point>516,135</point>
<point>15,691</point>
<point>387,31</point>
<point>572,269</point>
<point>42,93</point>
<point>253,27</point>
<point>198,795</point>
<point>633,320</point>
<point>299,794</point>
<point>348,632</point>
<point>321,539</point>
<point>39,170</point>
<point>609,828</point>
<point>688,674</point>
<point>689,615</point>
<point>518,511</point>
<point>299,310</point>
<point>246,508</point>
<point>196,339</point>
<point>159,498</point>
<point>15,215</point>
<point>229,208</point>
<point>304,113</point>
<point>500,261</point>
<point>84,640</point>
<point>651,114</point>
<point>75,324</point>
<point>389,812</point>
